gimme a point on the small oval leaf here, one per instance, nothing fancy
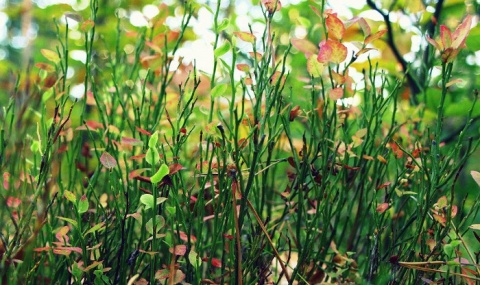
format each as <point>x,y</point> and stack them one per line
<point>108,161</point>
<point>162,172</point>
<point>218,90</point>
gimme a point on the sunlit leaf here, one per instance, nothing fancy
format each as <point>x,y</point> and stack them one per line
<point>461,32</point>
<point>218,90</point>
<point>68,220</point>
<point>336,93</point>
<point>445,36</point>
<point>152,142</point>
<point>147,200</point>
<point>223,49</point>
<point>476,176</point>
<point>161,172</point>
<point>314,67</point>
<point>87,26</point>
<point>243,67</point>
<point>152,156</point>
<point>475,227</point>
<point>108,161</point>
<point>223,25</point>
<point>335,27</point>
<point>374,37</point>
<point>244,36</point>
<point>70,196</point>
<point>332,51</point>
<point>50,55</point>
<point>304,46</point>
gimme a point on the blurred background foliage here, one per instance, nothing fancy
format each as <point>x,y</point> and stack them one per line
<point>28,26</point>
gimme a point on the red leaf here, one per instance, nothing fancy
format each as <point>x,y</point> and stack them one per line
<point>384,185</point>
<point>136,173</point>
<point>174,168</point>
<point>179,250</point>
<point>94,125</point>
<point>13,202</point>
<point>143,131</point>
<point>382,208</point>
<point>132,141</point>
<point>243,67</point>
<point>40,249</point>
<point>140,156</point>
<point>184,237</point>
<point>216,262</point>
<point>108,161</point>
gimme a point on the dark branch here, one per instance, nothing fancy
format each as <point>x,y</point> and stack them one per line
<point>414,86</point>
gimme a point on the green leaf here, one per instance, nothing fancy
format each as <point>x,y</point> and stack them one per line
<point>70,196</point>
<point>473,39</point>
<point>147,200</point>
<point>152,142</point>
<point>95,228</point>
<point>159,223</point>
<point>83,204</point>
<point>50,55</point>
<point>223,25</point>
<point>218,90</point>
<point>152,156</point>
<point>68,220</point>
<point>162,172</point>
<point>222,49</point>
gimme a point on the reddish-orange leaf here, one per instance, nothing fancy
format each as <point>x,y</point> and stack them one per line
<point>216,262</point>
<point>132,141</point>
<point>40,249</point>
<point>93,125</point>
<point>374,37</point>
<point>6,179</point>
<point>174,168</point>
<point>179,250</point>
<point>336,93</point>
<point>243,67</point>
<point>87,26</point>
<point>384,185</point>
<point>45,66</point>
<point>256,55</point>
<point>294,113</point>
<point>184,237</point>
<point>335,27</point>
<point>139,157</point>
<point>362,51</point>
<point>382,208</point>
<point>140,130</point>
<point>244,36</point>
<point>108,161</point>
<point>136,172</point>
